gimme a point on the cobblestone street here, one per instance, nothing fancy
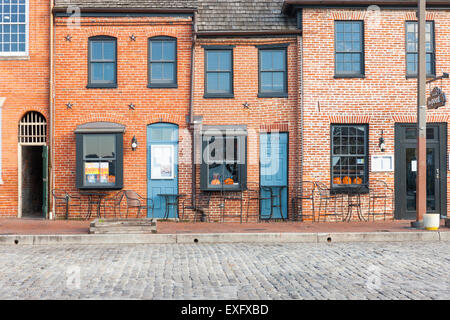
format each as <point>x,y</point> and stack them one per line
<point>418,270</point>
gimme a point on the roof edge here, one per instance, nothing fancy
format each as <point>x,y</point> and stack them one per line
<point>126,10</point>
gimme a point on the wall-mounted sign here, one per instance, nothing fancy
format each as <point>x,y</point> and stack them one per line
<point>436,99</point>
<point>382,163</point>
<point>162,163</point>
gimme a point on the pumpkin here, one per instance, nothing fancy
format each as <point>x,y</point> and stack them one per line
<point>215,182</point>
<point>337,180</point>
<point>357,180</point>
<point>228,181</point>
<point>346,180</point>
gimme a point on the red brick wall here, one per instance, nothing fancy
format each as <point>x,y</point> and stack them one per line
<point>381,99</point>
<point>89,105</point>
<point>25,84</point>
<point>263,114</point>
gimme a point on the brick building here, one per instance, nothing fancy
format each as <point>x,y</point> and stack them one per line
<point>24,105</point>
<point>359,98</point>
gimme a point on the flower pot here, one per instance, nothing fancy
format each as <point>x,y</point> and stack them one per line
<point>431,221</point>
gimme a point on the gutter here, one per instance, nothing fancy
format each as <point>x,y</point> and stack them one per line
<point>248,33</point>
<point>51,174</point>
<point>63,10</point>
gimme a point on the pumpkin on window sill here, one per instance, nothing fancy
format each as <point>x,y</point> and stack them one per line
<point>215,182</point>
<point>337,180</point>
<point>228,181</point>
<point>346,180</point>
<point>357,180</point>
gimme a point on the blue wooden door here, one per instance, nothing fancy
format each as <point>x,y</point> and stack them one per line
<point>274,174</point>
<point>162,166</point>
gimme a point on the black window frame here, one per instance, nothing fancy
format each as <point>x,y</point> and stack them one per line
<point>156,84</point>
<point>345,188</point>
<point>226,95</point>
<point>102,85</point>
<point>241,163</point>
<point>433,53</point>
<point>80,160</point>
<point>273,94</point>
<point>360,74</point>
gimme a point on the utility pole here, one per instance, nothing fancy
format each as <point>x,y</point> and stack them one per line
<point>421,180</point>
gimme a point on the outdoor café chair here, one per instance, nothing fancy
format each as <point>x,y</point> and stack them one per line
<point>200,206</point>
<point>378,192</point>
<point>327,197</point>
<point>113,202</point>
<point>65,200</point>
<point>134,200</point>
<point>305,193</point>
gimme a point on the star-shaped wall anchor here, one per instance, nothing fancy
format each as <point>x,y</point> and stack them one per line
<point>133,37</point>
<point>131,106</point>
<point>246,105</point>
<point>69,105</point>
<point>68,37</point>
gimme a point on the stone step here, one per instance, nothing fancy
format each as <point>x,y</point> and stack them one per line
<point>122,226</point>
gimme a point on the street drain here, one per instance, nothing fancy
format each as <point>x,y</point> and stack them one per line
<point>329,239</point>
<point>195,240</point>
<point>16,241</point>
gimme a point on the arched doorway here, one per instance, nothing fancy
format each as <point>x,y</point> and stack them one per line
<point>33,166</point>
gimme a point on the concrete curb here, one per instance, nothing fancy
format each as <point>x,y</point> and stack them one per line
<point>90,239</point>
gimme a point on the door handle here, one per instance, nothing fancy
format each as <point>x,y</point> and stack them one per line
<point>437,174</point>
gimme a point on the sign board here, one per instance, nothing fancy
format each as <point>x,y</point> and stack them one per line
<point>382,163</point>
<point>162,162</point>
<point>436,99</point>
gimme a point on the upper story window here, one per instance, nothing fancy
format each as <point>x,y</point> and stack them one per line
<point>412,43</point>
<point>13,27</point>
<point>162,62</point>
<point>102,62</point>
<point>272,72</point>
<point>219,72</point>
<point>349,49</point>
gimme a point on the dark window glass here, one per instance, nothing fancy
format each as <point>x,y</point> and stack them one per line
<point>349,155</point>
<point>349,48</point>
<point>224,162</point>
<point>13,27</point>
<point>219,72</point>
<point>273,71</point>
<point>412,43</point>
<point>162,61</point>
<point>102,61</point>
<point>99,160</point>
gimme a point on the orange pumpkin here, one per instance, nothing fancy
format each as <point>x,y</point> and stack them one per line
<point>215,182</point>
<point>346,180</point>
<point>357,180</point>
<point>228,181</point>
<point>337,180</point>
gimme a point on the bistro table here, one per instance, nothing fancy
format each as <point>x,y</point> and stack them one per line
<point>276,192</point>
<point>94,198</point>
<point>171,200</point>
<point>354,201</point>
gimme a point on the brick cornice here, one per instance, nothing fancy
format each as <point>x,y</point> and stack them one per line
<point>349,119</point>
<point>413,118</point>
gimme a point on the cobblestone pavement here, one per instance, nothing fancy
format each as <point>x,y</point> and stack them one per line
<point>418,270</point>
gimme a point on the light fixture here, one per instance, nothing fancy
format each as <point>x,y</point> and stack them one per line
<point>381,142</point>
<point>134,143</point>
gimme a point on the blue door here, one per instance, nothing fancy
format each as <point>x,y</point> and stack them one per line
<point>273,175</point>
<point>162,166</point>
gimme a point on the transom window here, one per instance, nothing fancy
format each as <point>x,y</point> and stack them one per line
<point>219,73</point>
<point>349,55</point>
<point>162,66</point>
<point>349,155</point>
<point>13,27</point>
<point>102,62</point>
<point>412,43</point>
<point>272,72</point>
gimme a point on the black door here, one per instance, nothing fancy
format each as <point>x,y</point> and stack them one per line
<point>406,170</point>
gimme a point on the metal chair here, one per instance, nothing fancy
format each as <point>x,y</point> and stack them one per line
<point>134,200</point>
<point>200,206</point>
<point>378,191</point>
<point>113,202</point>
<point>326,196</point>
<point>254,193</point>
<point>63,200</point>
<point>354,201</point>
<point>306,192</point>
<point>232,195</point>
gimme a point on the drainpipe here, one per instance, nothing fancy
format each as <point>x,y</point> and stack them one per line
<point>300,62</point>
<point>191,107</point>
<point>50,175</point>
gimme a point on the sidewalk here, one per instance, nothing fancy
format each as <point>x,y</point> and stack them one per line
<point>43,232</point>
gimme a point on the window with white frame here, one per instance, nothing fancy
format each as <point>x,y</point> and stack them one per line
<point>13,27</point>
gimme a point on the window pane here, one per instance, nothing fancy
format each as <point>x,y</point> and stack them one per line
<point>212,82</point>
<point>278,60</point>
<point>224,82</point>
<point>266,81</point>
<point>168,72</point>
<point>156,47</point>
<point>109,51</point>
<point>169,50</point>
<point>91,146</point>
<point>278,81</point>
<point>107,146</point>
<point>266,60</point>
<point>224,60</point>
<point>212,61</point>
<point>156,71</point>
<point>108,72</point>
<point>96,50</point>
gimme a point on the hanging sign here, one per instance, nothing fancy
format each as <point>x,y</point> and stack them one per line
<point>436,99</point>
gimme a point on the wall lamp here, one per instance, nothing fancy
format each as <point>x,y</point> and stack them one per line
<point>134,143</point>
<point>381,142</point>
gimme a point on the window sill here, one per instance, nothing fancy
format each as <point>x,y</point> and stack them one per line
<point>349,189</point>
<point>349,76</point>
<point>14,58</point>
<point>273,95</point>
<point>218,96</point>
<point>101,86</point>
<point>429,76</point>
<point>101,188</point>
<point>222,188</point>
<point>162,86</point>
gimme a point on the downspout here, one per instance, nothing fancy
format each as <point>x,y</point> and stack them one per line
<point>51,117</point>
<point>191,109</point>
<point>300,50</point>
